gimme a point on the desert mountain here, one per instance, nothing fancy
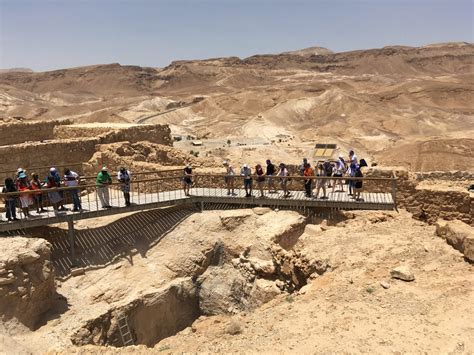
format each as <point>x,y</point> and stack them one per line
<point>9,70</point>
<point>306,52</point>
<point>394,99</point>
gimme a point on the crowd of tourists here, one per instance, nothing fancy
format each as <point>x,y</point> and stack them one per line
<point>269,179</point>
<point>325,175</point>
<point>27,202</point>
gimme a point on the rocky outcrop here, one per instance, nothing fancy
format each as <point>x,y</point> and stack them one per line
<point>27,286</point>
<point>459,235</point>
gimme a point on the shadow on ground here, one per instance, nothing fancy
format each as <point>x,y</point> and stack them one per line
<point>99,246</point>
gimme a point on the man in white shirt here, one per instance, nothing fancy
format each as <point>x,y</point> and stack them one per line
<point>71,179</point>
<point>124,176</point>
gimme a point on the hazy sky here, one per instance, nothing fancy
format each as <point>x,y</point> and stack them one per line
<point>47,34</point>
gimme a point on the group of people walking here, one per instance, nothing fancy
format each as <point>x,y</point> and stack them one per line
<point>56,198</point>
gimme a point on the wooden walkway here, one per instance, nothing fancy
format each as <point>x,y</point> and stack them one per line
<point>146,201</point>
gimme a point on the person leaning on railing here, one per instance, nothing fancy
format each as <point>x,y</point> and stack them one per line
<point>26,200</point>
<point>10,201</point>
<point>54,196</point>
<point>103,181</point>
<point>54,180</point>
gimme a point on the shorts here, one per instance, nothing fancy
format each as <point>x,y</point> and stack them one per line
<point>247,182</point>
<point>270,179</point>
<point>187,181</point>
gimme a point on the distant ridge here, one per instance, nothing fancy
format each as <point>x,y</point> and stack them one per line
<point>307,52</point>
<point>11,70</point>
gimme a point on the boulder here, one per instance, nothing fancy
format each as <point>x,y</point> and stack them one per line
<point>402,272</point>
<point>459,235</point>
<point>262,292</point>
<point>261,210</point>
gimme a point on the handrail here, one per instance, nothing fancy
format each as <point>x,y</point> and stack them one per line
<point>164,178</point>
<point>313,177</point>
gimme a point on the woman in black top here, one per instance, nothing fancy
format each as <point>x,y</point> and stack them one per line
<point>10,201</point>
<point>260,179</point>
<point>187,181</point>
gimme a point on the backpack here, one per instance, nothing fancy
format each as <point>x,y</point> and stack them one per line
<point>327,166</point>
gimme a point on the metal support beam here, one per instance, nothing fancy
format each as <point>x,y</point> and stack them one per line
<point>72,241</point>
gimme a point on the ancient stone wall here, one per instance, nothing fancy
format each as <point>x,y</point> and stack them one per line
<point>46,154</point>
<point>15,133</point>
<point>159,134</point>
<point>430,203</point>
<point>27,288</point>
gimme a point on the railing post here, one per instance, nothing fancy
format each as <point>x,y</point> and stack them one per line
<point>394,190</point>
<point>72,240</point>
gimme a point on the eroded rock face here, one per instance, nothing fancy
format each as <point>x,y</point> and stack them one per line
<point>459,235</point>
<point>27,286</point>
<point>223,289</point>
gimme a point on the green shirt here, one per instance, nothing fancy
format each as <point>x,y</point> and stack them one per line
<point>103,178</point>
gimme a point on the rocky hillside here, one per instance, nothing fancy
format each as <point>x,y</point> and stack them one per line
<point>378,100</point>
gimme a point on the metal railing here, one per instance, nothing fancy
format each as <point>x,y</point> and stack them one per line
<point>145,193</point>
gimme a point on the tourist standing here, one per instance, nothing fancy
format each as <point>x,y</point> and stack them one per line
<point>54,197</point>
<point>57,179</point>
<point>339,172</point>
<point>103,181</point>
<point>260,179</point>
<point>271,170</point>
<point>124,176</point>
<point>308,173</point>
<point>10,201</point>
<point>26,200</point>
<point>358,183</point>
<point>283,175</point>
<point>246,172</point>
<point>71,179</point>
<point>229,178</point>
<point>187,179</point>
<point>321,182</point>
<point>37,185</point>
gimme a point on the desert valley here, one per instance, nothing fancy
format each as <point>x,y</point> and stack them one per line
<point>258,276</point>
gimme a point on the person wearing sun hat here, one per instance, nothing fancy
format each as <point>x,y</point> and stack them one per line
<point>103,181</point>
<point>339,173</point>
<point>26,200</point>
